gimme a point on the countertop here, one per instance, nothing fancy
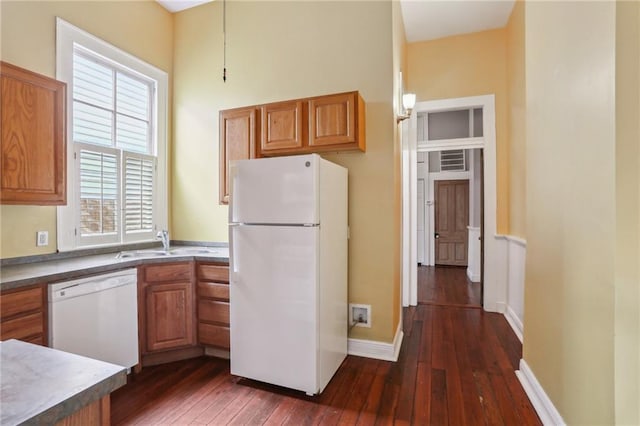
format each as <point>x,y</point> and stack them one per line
<point>42,385</point>
<point>16,276</point>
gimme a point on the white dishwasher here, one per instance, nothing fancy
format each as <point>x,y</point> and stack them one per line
<point>96,317</point>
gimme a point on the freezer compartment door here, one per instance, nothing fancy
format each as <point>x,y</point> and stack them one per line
<point>281,190</point>
<point>273,297</point>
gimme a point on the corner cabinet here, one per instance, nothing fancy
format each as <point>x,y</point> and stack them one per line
<point>237,142</point>
<point>33,123</point>
<point>167,316</point>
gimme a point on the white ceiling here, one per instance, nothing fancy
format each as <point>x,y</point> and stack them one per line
<point>426,19</point>
<point>431,19</point>
<point>178,5</point>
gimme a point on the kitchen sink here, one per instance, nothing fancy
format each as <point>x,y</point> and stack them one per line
<point>192,250</point>
<point>185,251</point>
<point>141,253</point>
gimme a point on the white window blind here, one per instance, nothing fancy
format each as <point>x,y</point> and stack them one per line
<point>138,193</point>
<point>117,121</point>
<point>99,195</point>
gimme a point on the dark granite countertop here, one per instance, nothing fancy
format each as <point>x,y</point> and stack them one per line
<point>41,385</point>
<point>15,276</point>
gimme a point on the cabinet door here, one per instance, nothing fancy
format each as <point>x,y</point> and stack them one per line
<point>282,126</point>
<point>33,144</point>
<point>169,314</point>
<point>237,142</point>
<point>332,121</point>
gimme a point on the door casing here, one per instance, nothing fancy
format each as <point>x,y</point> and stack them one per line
<point>494,291</point>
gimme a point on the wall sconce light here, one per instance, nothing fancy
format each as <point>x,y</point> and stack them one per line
<point>408,102</point>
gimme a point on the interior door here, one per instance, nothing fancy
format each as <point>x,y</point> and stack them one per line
<point>451,221</point>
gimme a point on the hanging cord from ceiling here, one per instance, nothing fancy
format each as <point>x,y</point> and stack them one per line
<point>224,41</point>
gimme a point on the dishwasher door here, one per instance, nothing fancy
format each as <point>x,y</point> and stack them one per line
<point>96,317</point>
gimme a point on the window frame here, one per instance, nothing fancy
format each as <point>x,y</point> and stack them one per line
<point>67,38</point>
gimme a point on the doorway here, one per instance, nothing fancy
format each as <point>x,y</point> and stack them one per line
<point>449,210</point>
<point>415,143</point>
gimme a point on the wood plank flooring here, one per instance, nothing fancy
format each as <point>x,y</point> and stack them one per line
<point>447,286</point>
<point>456,367</point>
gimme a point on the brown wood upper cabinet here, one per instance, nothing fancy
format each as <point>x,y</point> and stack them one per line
<point>323,123</point>
<point>337,121</point>
<point>237,142</point>
<point>282,126</point>
<point>33,147</point>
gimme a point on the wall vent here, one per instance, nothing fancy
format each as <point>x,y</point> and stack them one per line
<point>452,161</point>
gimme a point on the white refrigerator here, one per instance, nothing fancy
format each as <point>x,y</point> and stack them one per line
<point>288,270</point>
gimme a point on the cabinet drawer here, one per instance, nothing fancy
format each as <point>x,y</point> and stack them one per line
<point>213,311</point>
<point>213,335</point>
<point>213,273</point>
<point>20,301</point>
<point>22,327</point>
<point>171,272</point>
<point>214,290</point>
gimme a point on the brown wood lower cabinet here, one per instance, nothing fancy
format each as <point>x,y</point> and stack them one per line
<point>23,314</point>
<point>166,303</point>
<point>169,318</point>
<point>213,305</point>
<point>183,307</point>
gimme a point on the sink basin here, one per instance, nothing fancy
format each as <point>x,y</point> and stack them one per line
<point>192,250</point>
<point>185,251</point>
<point>142,253</point>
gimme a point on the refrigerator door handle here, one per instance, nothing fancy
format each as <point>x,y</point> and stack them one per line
<point>233,171</point>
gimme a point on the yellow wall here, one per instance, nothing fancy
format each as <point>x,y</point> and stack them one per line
<point>571,205</point>
<point>627,278</point>
<point>516,119</point>
<point>142,28</point>
<point>468,65</point>
<point>287,50</point>
<point>399,64</point>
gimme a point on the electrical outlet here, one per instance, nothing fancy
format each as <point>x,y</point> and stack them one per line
<point>360,315</point>
<point>42,238</point>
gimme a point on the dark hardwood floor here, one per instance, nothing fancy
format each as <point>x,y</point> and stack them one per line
<point>456,367</point>
<point>447,286</point>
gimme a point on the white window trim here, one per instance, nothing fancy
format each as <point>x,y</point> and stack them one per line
<point>66,36</point>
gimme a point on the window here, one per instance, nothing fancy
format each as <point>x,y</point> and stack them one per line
<point>116,144</point>
<point>449,125</point>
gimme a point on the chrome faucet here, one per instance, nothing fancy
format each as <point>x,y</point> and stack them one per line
<point>164,237</point>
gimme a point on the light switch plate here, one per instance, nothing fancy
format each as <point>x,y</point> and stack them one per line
<point>42,238</point>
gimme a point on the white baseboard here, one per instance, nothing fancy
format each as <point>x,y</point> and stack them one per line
<point>377,350</point>
<point>473,278</point>
<point>500,307</point>
<point>514,322</point>
<point>547,412</point>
